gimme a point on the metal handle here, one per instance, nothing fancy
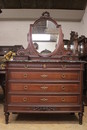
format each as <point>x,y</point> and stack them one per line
<point>63,76</point>
<point>26,66</point>
<point>44,75</point>
<point>24,99</point>
<point>63,88</point>
<point>3,66</point>
<point>44,87</point>
<point>70,58</point>
<point>44,65</point>
<point>63,66</point>
<point>63,100</point>
<point>25,75</point>
<point>25,87</point>
<point>44,99</point>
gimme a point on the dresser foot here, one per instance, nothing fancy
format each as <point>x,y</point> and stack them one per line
<point>6,117</point>
<point>80,118</point>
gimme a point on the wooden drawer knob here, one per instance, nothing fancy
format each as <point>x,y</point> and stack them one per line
<point>24,99</point>
<point>44,75</point>
<point>25,87</point>
<point>25,75</point>
<point>44,87</point>
<point>63,76</point>
<point>44,99</point>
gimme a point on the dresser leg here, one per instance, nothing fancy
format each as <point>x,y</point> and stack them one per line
<point>80,118</point>
<point>6,117</point>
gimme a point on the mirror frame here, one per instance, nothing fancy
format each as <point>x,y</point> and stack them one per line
<point>60,45</point>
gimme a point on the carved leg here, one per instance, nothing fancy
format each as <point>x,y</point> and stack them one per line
<point>6,117</point>
<point>82,107</point>
<point>80,118</point>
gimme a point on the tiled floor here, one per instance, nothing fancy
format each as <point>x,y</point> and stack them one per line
<point>42,122</point>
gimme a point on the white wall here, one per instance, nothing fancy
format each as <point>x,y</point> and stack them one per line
<point>15,32</point>
<point>67,27</point>
<point>84,24</point>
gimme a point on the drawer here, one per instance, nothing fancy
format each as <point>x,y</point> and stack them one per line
<point>43,65</point>
<point>44,75</point>
<point>28,88</point>
<point>43,99</point>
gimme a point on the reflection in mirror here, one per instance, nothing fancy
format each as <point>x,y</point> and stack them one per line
<point>72,47</point>
<point>81,48</point>
<point>45,35</point>
<point>65,47</point>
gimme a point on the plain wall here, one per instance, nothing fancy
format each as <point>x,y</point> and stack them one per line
<point>83,30</point>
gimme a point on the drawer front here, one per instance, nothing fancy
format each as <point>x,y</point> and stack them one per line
<point>23,87</point>
<point>43,65</point>
<point>45,108</point>
<point>44,75</point>
<point>43,99</point>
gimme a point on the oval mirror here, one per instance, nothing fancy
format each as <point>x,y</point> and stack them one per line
<point>45,36</point>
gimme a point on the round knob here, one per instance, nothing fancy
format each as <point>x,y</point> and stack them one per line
<point>63,76</point>
<point>25,87</point>
<point>63,100</point>
<point>24,99</point>
<point>63,88</point>
<point>25,75</point>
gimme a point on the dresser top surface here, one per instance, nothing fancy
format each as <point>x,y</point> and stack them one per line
<point>47,61</point>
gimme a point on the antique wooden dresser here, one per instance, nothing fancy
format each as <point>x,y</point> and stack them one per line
<point>46,81</point>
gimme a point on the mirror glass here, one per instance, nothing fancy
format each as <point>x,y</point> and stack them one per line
<point>45,36</point>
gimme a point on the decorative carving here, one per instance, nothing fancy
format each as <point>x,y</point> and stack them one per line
<point>44,87</point>
<point>44,99</point>
<point>82,41</point>
<point>43,108</point>
<point>46,14</point>
<point>74,40</point>
<point>44,76</point>
<point>44,66</point>
<point>45,52</point>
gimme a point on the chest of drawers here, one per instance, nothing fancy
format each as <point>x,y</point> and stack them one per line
<point>44,87</point>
